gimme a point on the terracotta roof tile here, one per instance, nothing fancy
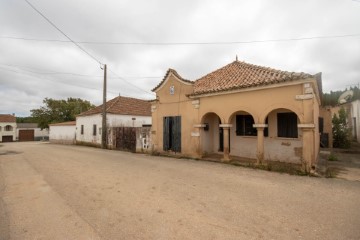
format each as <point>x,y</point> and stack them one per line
<point>7,118</point>
<point>170,70</point>
<point>123,106</point>
<point>238,75</point>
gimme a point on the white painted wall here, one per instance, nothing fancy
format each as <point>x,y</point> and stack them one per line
<point>38,133</point>
<point>7,133</point>
<point>62,134</point>
<point>113,120</point>
<point>355,113</point>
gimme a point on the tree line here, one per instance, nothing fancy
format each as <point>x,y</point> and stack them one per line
<point>55,111</point>
<point>331,99</point>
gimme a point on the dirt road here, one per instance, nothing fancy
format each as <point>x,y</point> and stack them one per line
<point>69,192</point>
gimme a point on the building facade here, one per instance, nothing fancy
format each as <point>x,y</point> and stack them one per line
<point>120,112</point>
<point>7,128</point>
<point>31,132</point>
<point>63,133</point>
<point>240,110</point>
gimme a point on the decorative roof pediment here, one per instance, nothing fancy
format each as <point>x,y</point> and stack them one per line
<point>167,76</point>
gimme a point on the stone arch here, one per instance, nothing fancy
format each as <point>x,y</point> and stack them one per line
<point>203,118</point>
<point>232,112</point>
<point>273,107</point>
<point>210,134</point>
<point>8,128</point>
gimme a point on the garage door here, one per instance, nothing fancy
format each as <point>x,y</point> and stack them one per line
<point>7,138</point>
<point>26,135</point>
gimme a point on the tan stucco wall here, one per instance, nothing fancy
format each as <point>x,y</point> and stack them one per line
<point>174,105</point>
<point>325,113</point>
<point>260,103</point>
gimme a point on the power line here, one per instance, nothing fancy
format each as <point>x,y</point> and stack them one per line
<point>131,83</point>
<point>64,83</point>
<point>48,20</point>
<point>81,48</point>
<point>185,43</point>
<point>50,72</point>
<point>71,84</point>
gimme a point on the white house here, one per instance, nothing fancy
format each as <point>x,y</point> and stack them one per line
<point>63,133</point>
<point>355,119</point>
<point>7,128</point>
<point>31,132</point>
<point>120,112</point>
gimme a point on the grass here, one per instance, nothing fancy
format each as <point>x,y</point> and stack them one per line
<point>273,166</point>
<point>332,157</point>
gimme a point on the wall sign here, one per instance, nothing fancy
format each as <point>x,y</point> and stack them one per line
<point>172,90</point>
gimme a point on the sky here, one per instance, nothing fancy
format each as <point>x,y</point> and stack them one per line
<point>139,40</point>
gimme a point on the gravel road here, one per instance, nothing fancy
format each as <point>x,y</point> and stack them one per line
<point>52,191</point>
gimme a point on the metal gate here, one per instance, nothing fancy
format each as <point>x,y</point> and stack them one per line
<point>7,138</point>
<point>125,138</point>
<point>26,135</point>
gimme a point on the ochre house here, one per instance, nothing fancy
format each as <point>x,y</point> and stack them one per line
<point>239,111</point>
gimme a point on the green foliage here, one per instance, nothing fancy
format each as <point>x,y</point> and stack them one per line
<point>56,111</point>
<point>332,157</point>
<point>331,99</point>
<point>341,131</point>
<point>25,120</point>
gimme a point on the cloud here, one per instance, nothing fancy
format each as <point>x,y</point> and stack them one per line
<point>143,66</point>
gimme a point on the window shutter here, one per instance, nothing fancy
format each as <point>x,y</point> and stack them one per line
<point>287,125</point>
<point>176,130</point>
<point>166,140</point>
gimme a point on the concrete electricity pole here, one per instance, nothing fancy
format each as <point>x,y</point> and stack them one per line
<point>104,129</point>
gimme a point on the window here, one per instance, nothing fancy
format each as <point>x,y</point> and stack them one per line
<point>8,128</point>
<point>172,134</point>
<point>244,126</point>
<point>287,125</point>
<point>82,130</point>
<point>94,130</point>
<point>100,131</point>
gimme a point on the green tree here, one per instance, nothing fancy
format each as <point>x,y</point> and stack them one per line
<point>25,120</point>
<point>56,111</point>
<point>341,131</point>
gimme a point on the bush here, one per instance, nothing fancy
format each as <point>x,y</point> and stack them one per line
<point>341,131</point>
<point>332,157</point>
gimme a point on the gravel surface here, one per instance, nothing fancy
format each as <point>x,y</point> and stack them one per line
<point>69,192</point>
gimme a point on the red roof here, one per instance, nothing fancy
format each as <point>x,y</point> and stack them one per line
<point>237,75</point>
<point>123,106</point>
<point>7,118</point>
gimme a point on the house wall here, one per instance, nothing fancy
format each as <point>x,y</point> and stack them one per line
<point>325,113</point>
<point>112,120</point>
<point>8,133</point>
<point>355,113</point>
<point>210,138</point>
<point>175,105</point>
<point>258,102</point>
<point>62,134</point>
<point>38,133</point>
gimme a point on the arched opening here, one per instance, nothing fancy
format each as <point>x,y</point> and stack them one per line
<point>243,136</point>
<point>284,141</point>
<point>211,136</point>
<point>8,128</point>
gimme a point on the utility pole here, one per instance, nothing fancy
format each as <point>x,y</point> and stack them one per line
<point>104,129</point>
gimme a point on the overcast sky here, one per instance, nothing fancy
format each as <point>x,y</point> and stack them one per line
<point>33,70</point>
